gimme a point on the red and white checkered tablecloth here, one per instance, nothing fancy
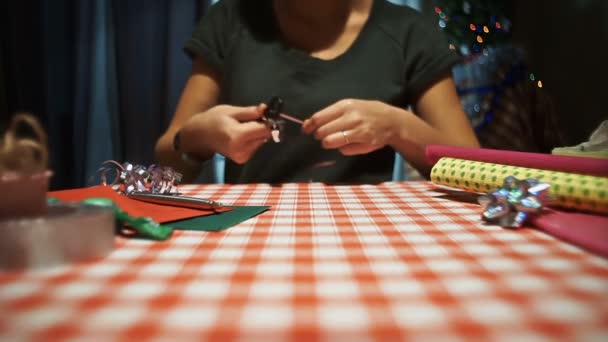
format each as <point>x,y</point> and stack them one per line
<point>397,261</point>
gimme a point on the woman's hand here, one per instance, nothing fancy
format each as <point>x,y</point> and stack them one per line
<point>359,127</point>
<point>229,130</point>
<point>355,126</point>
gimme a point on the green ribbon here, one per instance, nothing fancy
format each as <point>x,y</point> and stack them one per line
<point>145,227</point>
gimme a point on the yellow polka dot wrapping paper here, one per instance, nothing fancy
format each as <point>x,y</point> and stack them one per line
<point>569,190</point>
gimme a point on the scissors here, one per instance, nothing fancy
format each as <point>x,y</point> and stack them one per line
<point>176,200</point>
<point>275,118</point>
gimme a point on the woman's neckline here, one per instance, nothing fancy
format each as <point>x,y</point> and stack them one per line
<point>303,56</point>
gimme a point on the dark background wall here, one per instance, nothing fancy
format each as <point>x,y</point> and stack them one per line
<point>42,42</point>
<point>566,41</point>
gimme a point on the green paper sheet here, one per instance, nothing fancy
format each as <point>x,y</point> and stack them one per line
<point>220,221</point>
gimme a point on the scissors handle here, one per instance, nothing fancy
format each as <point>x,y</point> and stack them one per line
<point>274,109</point>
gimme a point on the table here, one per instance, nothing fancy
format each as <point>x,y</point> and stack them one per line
<point>395,261</point>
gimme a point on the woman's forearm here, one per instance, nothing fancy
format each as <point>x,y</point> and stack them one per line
<point>165,155</point>
<point>200,93</point>
<point>414,134</point>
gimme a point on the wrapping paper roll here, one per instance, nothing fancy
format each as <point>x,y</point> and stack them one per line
<point>571,164</point>
<point>568,190</point>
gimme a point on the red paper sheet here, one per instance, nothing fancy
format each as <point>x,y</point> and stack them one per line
<point>159,213</point>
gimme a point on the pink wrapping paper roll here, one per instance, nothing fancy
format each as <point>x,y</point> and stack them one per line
<point>584,230</point>
<point>580,165</point>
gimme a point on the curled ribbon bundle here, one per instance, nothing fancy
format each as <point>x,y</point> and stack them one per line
<point>510,205</point>
<point>131,178</point>
<point>23,155</point>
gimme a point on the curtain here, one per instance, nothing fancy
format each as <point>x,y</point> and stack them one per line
<point>103,76</point>
<point>3,91</point>
<point>96,95</point>
<point>3,101</point>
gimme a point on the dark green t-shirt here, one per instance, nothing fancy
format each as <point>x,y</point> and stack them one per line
<point>395,57</point>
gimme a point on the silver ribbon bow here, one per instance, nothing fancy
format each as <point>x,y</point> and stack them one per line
<point>510,205</point>
<point>129,178</point>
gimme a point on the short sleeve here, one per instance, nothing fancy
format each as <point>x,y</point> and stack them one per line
<point>211,38</point>
<point>427,57</point>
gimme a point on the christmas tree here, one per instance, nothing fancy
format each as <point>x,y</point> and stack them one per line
<point>499,93</point>
<point>473,25</point>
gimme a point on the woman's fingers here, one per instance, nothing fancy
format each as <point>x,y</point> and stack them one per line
<point>252,130</point>
<point>324,116</point>
<point>343,123</point>
<point>350,142</point>
<point>243,154</point>
<point>247,138</point>
<point>339,139</point>
<point>357,148</point>
<point>262,107</point>
<point>245,114</point>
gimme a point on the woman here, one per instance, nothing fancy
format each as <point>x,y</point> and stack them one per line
<point>348,68</point>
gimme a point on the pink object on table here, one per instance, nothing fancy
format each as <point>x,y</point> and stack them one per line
<point>587,231</point>
<point>580,165</point>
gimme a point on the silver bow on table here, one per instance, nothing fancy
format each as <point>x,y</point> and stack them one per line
<point>510,205</point>
<point>129,178</point>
